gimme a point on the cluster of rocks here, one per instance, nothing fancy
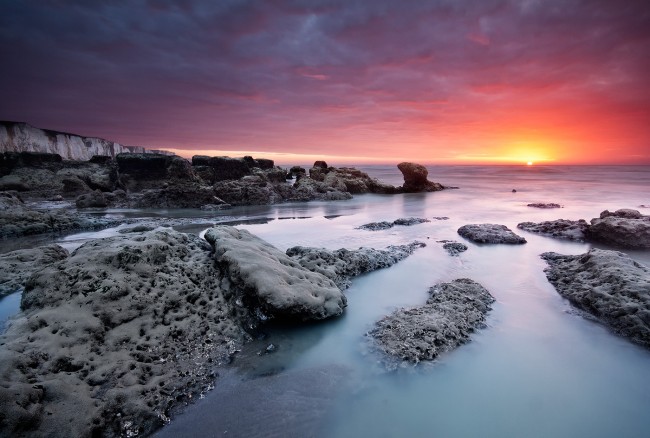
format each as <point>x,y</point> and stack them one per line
<point>452,313</point>
<point>544,205</point>
<point>385,225</point>
<point>625,228</point>
<point>124,329</point>
<point>608,285</point>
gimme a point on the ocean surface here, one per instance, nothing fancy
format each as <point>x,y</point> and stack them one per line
<point>539,369</point>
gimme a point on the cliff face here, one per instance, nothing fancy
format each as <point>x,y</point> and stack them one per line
<point>21,137</point>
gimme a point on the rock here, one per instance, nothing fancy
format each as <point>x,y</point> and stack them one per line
<point>490,233</point>
<point>343,264</point>
<point>17,266</point>
<point>269,281</point>
<point>454,248</point>
<point>176,195</point>
<point>320,165</point>
<point>250,190</point>
<point>452,313</point>
<point>560,228</point>
<point>16,219</point>
<point>308,189</point>
<point>115,336</point>
<point>415,178</point>
<point>608,285</point>
<point>150,171</point>
<point>543,205</point>
<point>384,225</point>
<point>626,228</point>
<point>94,199</point>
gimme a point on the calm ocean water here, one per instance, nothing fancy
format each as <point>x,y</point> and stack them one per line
<point>537,370</point>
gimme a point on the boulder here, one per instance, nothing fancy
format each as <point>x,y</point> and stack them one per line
<point>490,233</point>
<point>343,264</point>
<point>452,313</point>
<point>560,228</point>
<point>625,228</point>
<point>18,266</point>
<point>250,190</point>
<point>415,178</point>
<point>608,285</point>
<point>271,282</point>
<point>176,195</point>
<point>544,205</point>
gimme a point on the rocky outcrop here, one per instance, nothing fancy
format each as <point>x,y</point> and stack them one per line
<point>415,178</point>
<point>626,228</point>
<point>452,313</point>
<point>343,264</point>
<point>114,336</point>
<point>385,225</point>
<point>270,282</point>
<point>18,266</point>
<point>22,137</point>
<point>490,233</point>
<point>560,228</point>
<point>16,219</point>
<point>608,285</point>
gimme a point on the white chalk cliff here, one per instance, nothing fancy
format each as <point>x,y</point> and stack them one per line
<point>22,137</point>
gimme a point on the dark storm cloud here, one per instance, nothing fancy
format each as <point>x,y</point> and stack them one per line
<point>214,72</point>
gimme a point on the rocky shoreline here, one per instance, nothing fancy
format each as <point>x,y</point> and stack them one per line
<point>124,329</point>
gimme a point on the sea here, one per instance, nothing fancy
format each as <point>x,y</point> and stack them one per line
<point>538,369</point>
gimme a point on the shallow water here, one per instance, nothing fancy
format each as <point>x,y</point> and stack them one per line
<point>539,369</point>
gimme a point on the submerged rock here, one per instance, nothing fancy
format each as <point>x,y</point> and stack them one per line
<point>384,225</point>
<point>454,248</point>
<point>545,205</point>
<point>114,336</point>
<point>268,280</point>
<point>490,233</point>
<point>560,228</point>
<point>18,266</point>
<point>607,284</point>
<point>342,264</point>
<point>452,313</point>
<point>626,227</point>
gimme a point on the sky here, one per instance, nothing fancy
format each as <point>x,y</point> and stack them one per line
<point>349,81</point>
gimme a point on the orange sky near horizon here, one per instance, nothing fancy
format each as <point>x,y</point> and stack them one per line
<point>430,81</point>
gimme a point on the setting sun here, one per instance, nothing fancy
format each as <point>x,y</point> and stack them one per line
<point>530,163</point>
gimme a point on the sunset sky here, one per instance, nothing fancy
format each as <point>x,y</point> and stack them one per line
<point>445,81</point>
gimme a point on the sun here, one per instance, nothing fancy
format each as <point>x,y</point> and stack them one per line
<point>530,163</point>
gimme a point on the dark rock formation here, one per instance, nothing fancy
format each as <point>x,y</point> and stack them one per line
<point>545,205</point>
<point>269,281</point>
<point>626,228</point>
<point>415,178</point>
<point>490,233</point>
<point>343,264</point>
<point>560,228</point>
<point>452,313</point>
<point>94,199</point>
<point>384,225</point>
<point>608,285</point>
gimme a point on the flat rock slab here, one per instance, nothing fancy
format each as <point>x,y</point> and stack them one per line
<point>385,225</point>
<point>626,228</point>
<point>113,336</point>
<point>343,264</point>
<point>490,233</point>
<point>544,205</point>
<point>17,266</point>
<point>452,313</point>
<point>270,280</point>
<point>560,229</point>
<point>607,284</point>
